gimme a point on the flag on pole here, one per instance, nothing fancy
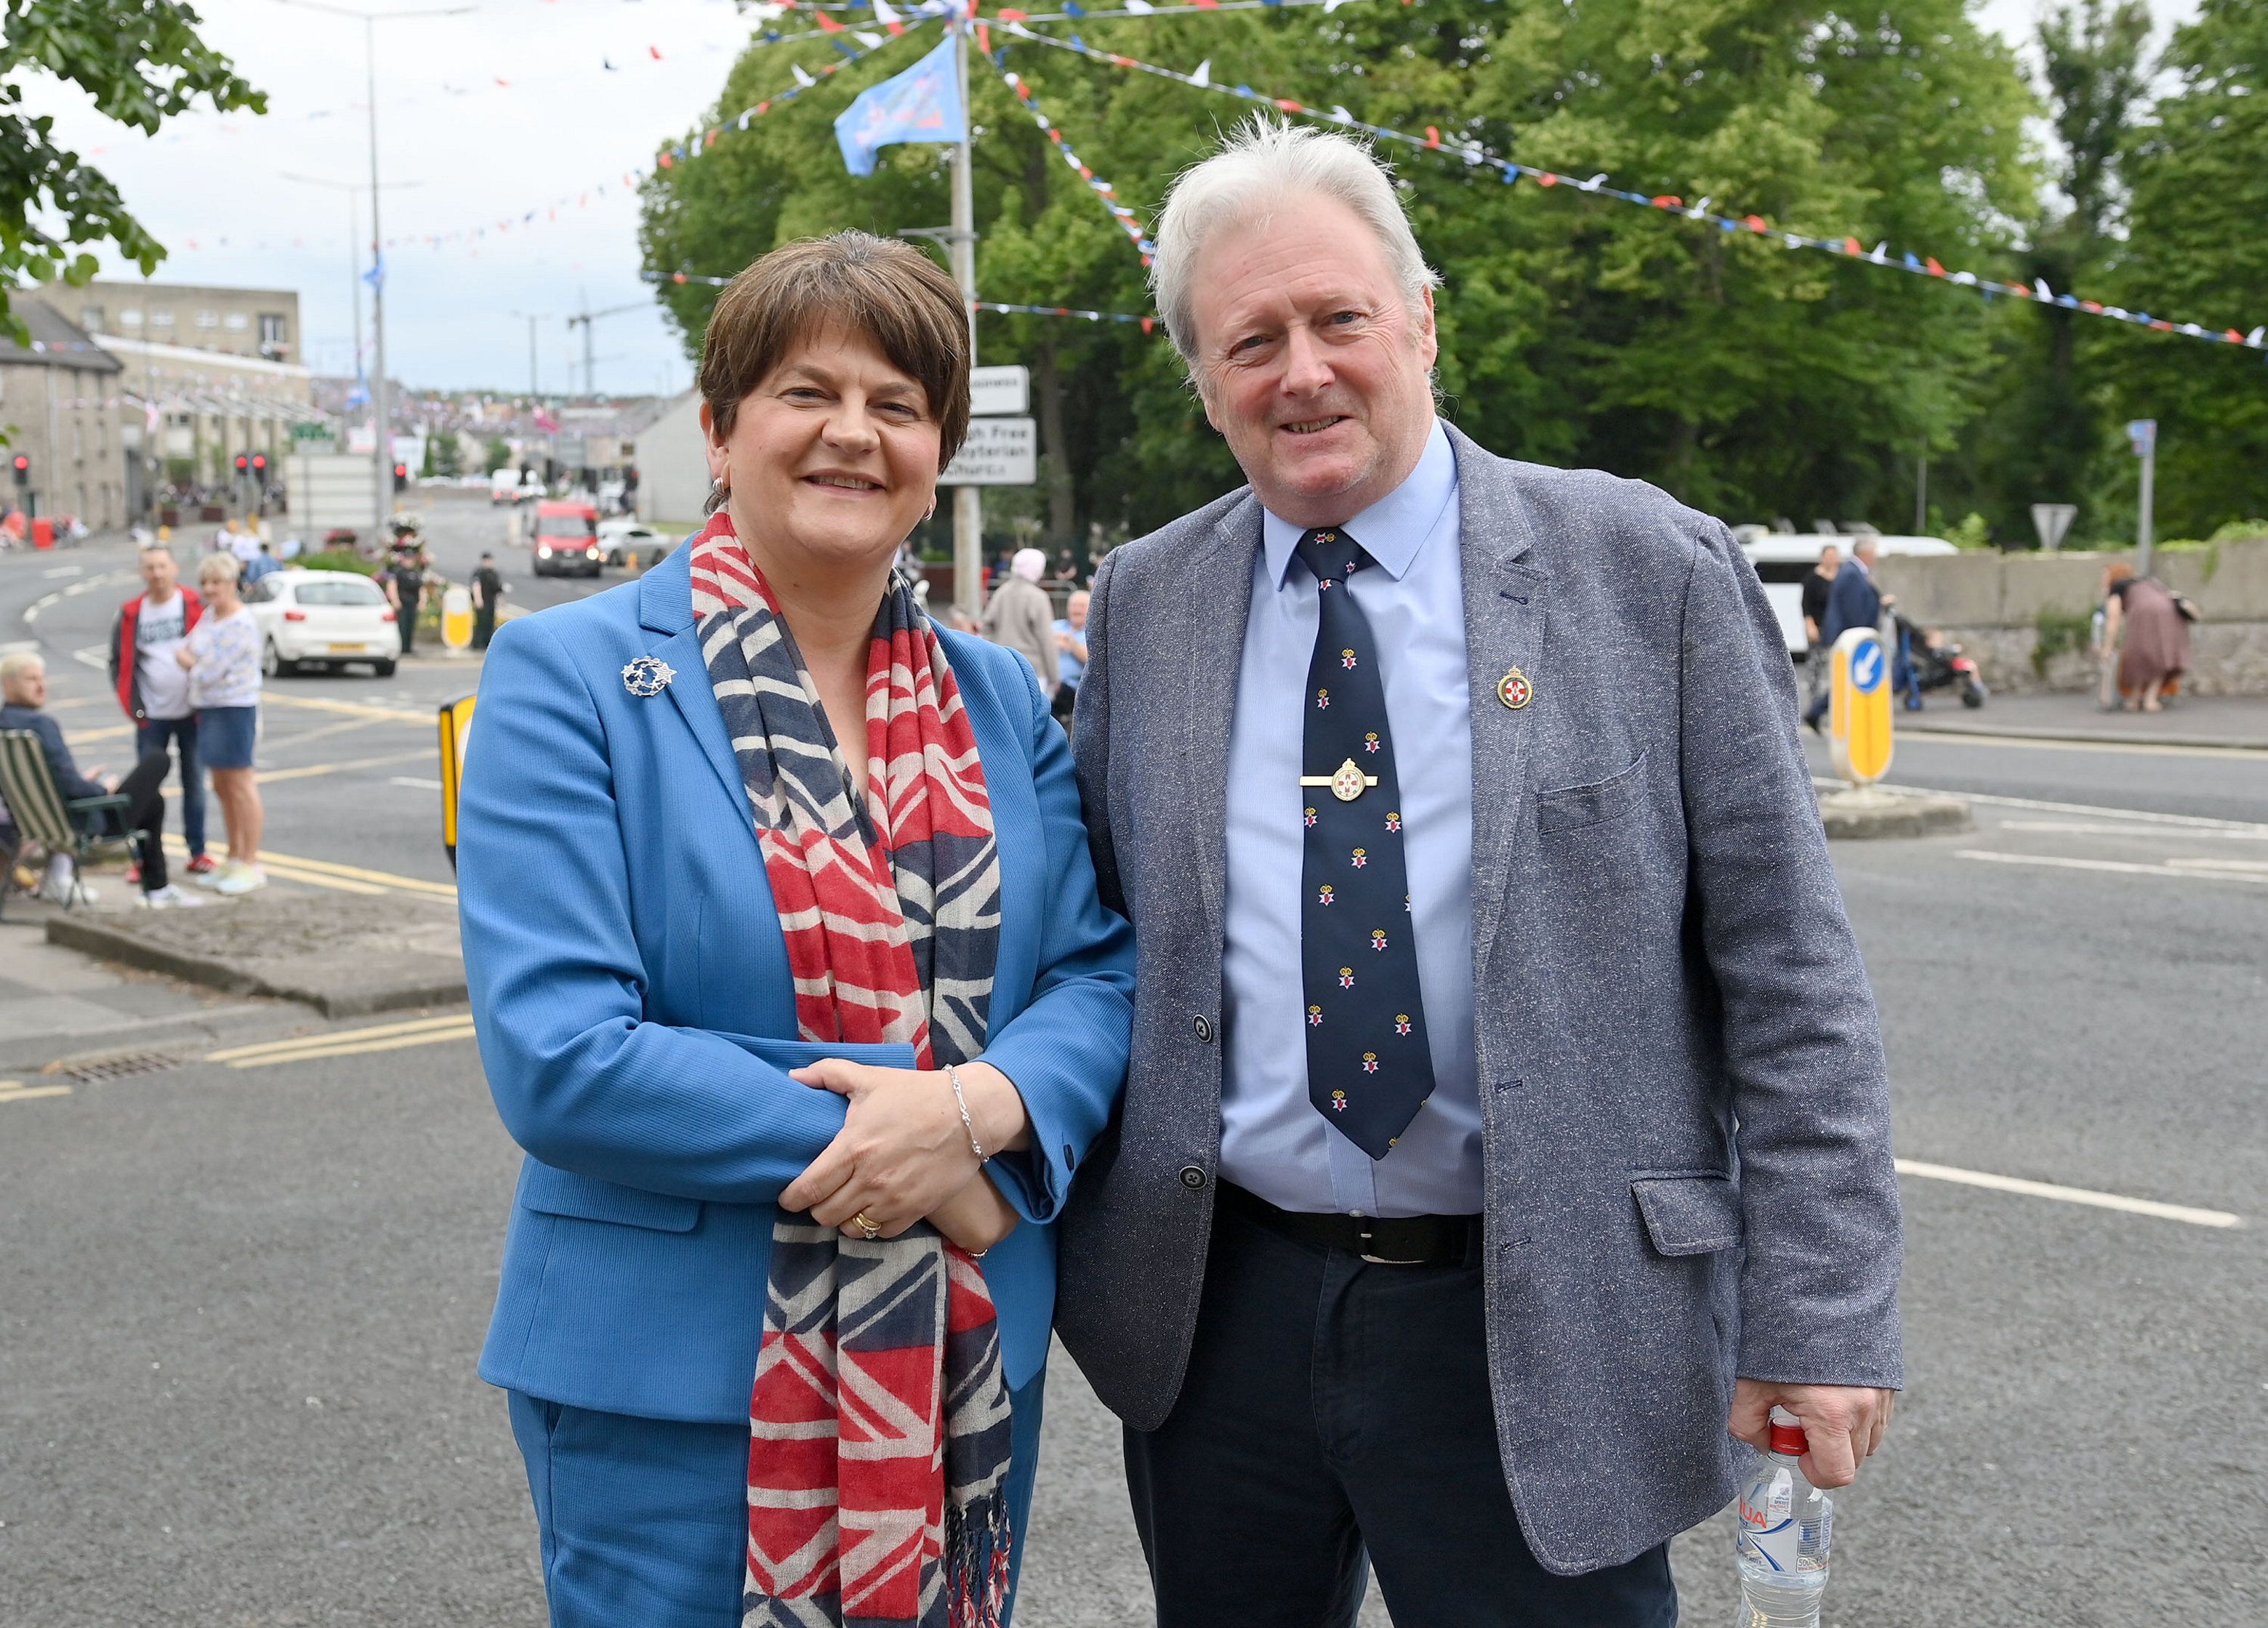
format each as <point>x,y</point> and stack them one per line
<point>923,103</point>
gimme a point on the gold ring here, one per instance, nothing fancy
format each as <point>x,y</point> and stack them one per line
<point>864,1223</point>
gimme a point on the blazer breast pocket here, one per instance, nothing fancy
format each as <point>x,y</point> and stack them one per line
<point>1577,808</point>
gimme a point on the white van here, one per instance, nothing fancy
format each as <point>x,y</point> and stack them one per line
<point>1784,559</point>
<point>505,486</point>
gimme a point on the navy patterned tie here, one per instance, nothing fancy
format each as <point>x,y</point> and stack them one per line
<point>1369,1068</point>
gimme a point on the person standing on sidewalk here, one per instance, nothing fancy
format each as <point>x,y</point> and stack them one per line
<point>1816,589</point>
<point>1853,602</point>
<point>152,689</point>
<point>1020,616</point>
<point>487,599</point>
<point>409,591</point>
<point>23,704</point>
<point>221,658</point>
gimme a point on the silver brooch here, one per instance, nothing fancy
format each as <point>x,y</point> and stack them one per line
<point>648,675</point>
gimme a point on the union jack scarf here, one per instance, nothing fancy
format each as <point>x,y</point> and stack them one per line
<point>878,1425</point>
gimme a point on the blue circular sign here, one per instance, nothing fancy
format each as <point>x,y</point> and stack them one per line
<point>1867,667</point>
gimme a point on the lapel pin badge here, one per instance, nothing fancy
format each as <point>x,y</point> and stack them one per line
<point>648,675</point>
<point>1514,690</point>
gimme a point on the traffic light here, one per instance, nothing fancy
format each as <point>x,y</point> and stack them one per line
<point>21,463</point>
<point>260,463</point>
<point>400,476</point>
<point>243,466</point>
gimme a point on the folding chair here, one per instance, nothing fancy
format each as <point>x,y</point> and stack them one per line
<point>42,813</point>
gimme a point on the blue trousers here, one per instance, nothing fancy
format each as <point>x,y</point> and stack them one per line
<point>1336,1416</point>
<point>155,735</point>
<point>644,1522</point>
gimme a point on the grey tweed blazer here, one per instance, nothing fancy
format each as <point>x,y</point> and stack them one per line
<point>1686,1113</point>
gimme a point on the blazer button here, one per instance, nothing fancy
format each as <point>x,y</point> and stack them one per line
<point>1205,1029</point>
<point>1193,1177</point>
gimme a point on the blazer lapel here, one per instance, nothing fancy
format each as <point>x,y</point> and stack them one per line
<point>1213,610</point>
<point>1504,628</point>
<point>665,607</point>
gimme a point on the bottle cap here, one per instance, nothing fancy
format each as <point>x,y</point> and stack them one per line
<point>1787,1434</point>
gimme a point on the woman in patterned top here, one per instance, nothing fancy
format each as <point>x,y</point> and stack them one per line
<point>223,656</point>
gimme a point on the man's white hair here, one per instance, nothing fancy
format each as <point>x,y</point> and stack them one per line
<point>1263,163</point>
<point>17,665</point>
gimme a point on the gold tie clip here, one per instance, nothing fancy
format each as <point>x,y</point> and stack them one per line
<point>1347,781</point>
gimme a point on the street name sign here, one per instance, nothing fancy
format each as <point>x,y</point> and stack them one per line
<point>2052,521</point>
<point>1859,707</point>
<point>997,391</point>
<point>999,451</point>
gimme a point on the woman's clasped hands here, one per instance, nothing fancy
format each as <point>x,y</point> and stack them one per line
<point>904,1154</point>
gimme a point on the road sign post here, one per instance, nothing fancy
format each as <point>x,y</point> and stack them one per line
<point>2143,432</point>
<point>1859,707</point>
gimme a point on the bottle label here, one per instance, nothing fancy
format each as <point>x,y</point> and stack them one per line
<point>1769,1533</point>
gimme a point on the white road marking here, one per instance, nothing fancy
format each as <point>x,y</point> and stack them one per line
<point>2069,1195</point>
<point>10,1092</point>
<point>2150,748</point>
<point>2081,827</point>
<point>2141,816</point>
<point>2240,865</point>
<point>2115,866</point>
<point>53,572</point>
<point>95,656</point>
<point>414,783</point>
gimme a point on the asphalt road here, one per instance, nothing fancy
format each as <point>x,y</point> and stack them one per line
<point>241,1296</point>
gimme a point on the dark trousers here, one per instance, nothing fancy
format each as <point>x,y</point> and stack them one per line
<point>143,816</point>
<point>158,735</point>
<point>1335,1409</point>
<point>483,625</point>
<point>408,619</point>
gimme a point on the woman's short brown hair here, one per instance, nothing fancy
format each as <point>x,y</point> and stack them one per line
<point>888,292</point>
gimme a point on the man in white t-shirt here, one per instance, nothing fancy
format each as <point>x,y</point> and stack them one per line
<point>151,687</point>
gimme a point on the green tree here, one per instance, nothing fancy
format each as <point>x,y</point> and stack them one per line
<point>142,62</point>
<point>1747,379</point>
<point>444,454</point>
<point>2196,252</point>
<point>495,455</point>
<point>2044,437</point>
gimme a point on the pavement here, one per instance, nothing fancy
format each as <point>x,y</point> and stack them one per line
<point>2235,722</point>
<point>252,1249</point>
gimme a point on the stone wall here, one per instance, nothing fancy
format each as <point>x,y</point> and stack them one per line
<point>1999,606</point>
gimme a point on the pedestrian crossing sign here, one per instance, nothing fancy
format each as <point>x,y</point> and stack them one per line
<point>1859,707</point>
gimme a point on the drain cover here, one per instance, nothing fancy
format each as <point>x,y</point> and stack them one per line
<point>115,1067</point>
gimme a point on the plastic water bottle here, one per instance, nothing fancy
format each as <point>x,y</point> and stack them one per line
<point>1787,1527</point>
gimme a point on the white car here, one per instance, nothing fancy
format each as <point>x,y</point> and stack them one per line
<point>620,538</point>
<point>322,618</point>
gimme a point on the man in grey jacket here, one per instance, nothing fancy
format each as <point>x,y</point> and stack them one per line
<point>1507,1127</point>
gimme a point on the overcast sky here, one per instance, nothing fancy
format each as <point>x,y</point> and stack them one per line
<point>458,151</point>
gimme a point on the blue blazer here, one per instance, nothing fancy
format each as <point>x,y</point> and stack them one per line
<point>1852,601</point>
<point>630,990</point>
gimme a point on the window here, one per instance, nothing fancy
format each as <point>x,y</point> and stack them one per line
<point>90,318</point>
<point>129,318</point>
<point>235,321</point>
<point>161,319</point>
<point>271,328</point>
<point>207,319</point>
<point>337,591</point>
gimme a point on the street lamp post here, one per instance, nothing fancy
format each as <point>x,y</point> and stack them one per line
<point>381,432</point>
<point>967,501</point>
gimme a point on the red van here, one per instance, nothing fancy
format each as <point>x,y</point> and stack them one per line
<point>566,541</point>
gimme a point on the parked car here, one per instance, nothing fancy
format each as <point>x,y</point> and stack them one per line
<point>322,618</point>
<point>507,486</point>
<point>620,538</point>
<point>566,538</point>
<point>1783,559</point>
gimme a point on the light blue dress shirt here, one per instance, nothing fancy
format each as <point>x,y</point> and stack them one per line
<point>1272,1141</point>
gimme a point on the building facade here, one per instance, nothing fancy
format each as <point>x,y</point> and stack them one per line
<point>60,406</point>
<point>200,376</point>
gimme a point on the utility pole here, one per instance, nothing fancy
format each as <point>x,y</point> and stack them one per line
<point>381,437</point>
<point>967,501</point>
<point>1921,492</point>
<point>586,317</point>
<point>2143,432</point>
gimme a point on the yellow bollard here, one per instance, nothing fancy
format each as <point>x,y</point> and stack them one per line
<point>1859,707</point>
<point>456,618</point>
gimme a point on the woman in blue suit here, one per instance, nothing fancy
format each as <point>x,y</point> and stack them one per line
<point>791,980</point>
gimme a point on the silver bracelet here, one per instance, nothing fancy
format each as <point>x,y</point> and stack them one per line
<point>966,1124</point>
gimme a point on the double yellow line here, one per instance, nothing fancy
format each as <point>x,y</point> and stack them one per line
<point>348,1042</point>
<point>337,878</point>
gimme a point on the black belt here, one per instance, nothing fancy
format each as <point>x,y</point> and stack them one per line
<point>1383,1241</point>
